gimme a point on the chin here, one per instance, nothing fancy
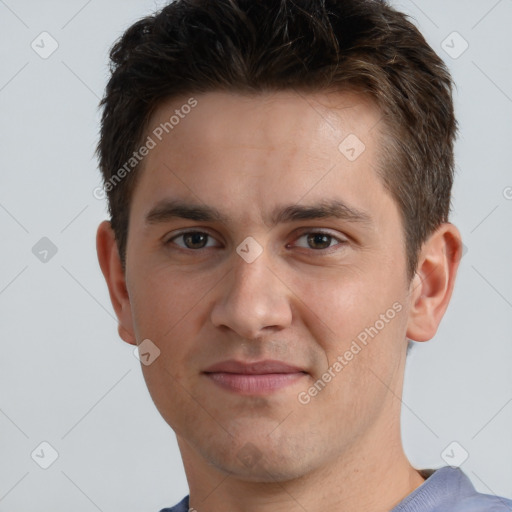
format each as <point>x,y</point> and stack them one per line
<point>259,461</point>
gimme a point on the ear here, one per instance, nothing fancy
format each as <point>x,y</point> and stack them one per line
<point>432,286</point>
<point>110,263</point>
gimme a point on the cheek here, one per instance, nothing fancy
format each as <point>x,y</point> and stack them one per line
<point>166,307</point>
<point>163,303</point>
<point>359,316</point>
<point>362,350</point>
<point>345,301</point>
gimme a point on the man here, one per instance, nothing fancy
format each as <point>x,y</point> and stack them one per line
<point>279,178</point>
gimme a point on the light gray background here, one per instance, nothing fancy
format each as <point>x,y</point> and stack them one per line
<point>65,376</point>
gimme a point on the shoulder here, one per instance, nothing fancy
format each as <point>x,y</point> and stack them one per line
<point>448,489</point>
<point>478,502</point>
<point>469,499</point>
<point>182,506</point>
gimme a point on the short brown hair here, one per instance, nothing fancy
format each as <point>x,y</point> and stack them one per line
<point>253,46</point>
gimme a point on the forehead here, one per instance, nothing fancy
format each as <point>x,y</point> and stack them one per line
<point>268,148</point>
<point>286,116</point>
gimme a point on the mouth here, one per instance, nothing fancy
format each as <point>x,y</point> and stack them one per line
<point>257,378</point>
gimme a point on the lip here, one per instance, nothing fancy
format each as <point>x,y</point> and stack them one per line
<point>253,368</point>
<point>254,378</point>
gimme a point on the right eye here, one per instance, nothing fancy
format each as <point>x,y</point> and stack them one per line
<point>192,240</point>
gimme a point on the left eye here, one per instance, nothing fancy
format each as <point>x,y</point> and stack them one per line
<point>320,240</point>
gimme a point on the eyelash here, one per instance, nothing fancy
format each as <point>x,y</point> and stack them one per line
<point>314,232</point>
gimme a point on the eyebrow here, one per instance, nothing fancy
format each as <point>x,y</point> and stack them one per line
<point>169,209</point>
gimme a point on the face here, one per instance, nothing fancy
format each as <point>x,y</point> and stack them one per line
<point>260,232</point>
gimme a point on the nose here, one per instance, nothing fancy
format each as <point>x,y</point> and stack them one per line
<point>253,299</point>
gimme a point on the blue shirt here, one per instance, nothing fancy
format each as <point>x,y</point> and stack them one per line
<point>446,489</point>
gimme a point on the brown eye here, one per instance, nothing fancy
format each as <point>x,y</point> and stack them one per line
<point>195,240</point>
<point>191,240</point>
<point>320,240</point>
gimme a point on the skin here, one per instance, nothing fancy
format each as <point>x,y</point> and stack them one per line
<point>302,301</point>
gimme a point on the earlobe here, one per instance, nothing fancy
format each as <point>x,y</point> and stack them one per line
<point>126,335</point>
<point>110,263</point>
<point>432,286</point>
